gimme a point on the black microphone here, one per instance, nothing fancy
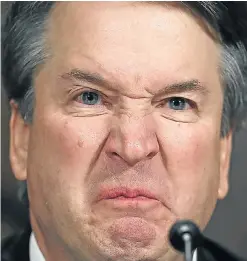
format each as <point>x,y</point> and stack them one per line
<point>185,237</point>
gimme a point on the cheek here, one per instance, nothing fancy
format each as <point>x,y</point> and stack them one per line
<point>61,154</point>
<point>189,146</point>
<point>76,141</point>
<point>191,154</point>
<point>63,150</point>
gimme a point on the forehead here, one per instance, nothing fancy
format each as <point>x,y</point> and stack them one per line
<point>141,41</point>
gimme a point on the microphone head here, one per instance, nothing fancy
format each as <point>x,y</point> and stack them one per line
<point>179,229</point>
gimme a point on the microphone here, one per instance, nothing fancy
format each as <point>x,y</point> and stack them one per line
<point>185,237</point>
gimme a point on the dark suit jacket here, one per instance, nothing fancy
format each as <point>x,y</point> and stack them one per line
<point>16,248</point>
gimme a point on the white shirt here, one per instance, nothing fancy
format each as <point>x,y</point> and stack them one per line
<point>36,254</point>
<point>34,251</point>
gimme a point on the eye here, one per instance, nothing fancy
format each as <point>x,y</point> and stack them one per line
<point>179,109</point>
<point>178,103</point>
<point>89,98</point>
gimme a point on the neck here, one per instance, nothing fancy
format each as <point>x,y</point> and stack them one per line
<point>49,245</point>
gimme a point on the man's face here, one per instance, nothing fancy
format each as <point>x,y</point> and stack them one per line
<point>125,137</point>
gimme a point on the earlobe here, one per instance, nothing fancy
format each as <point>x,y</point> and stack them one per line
<point>19,139</point>
<point>225,158</point>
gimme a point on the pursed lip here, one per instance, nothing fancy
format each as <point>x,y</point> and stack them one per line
<point>116,192</point>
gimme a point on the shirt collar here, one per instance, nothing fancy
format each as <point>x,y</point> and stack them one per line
<point>35,253</point>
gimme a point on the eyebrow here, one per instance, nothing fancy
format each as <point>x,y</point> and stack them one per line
<point>84,76</point>
<point>193,85</point>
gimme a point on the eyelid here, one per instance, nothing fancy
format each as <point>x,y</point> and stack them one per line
<point>185,95</point>
<point>173,97</point>
<point>78,91</point>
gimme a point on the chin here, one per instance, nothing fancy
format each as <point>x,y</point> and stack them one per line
<point>156,251</point>
<point>133,239</point>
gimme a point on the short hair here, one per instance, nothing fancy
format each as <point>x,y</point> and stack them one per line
<point>23,51</point>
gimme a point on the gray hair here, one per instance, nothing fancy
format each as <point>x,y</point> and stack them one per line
<point>23,51</point>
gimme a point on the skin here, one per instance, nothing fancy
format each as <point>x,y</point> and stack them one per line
<point>132,138</point>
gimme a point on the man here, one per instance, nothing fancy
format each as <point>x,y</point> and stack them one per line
<point>122,117</point>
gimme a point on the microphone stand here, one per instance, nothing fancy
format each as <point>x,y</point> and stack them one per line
<point>188,247</point>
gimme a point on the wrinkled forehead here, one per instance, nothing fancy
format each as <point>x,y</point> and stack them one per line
<point>132,40</point>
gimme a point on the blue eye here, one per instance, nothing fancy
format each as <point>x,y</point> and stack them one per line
<point>90,98</point>
<point>178,103</point>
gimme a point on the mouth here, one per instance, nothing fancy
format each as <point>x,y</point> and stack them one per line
<point>126,194</point>
<point>130,201</point>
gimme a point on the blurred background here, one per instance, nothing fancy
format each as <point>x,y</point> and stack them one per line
<point>228,225</point>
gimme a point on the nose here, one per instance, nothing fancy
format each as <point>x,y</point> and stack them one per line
<point>132,140</point>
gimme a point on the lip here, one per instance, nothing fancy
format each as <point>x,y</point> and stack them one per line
<point>124,193</point>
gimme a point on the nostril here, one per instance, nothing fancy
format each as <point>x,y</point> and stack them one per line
<point>151,154</point>
<point>115,155</point>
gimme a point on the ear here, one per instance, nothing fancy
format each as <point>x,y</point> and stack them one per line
<point>19,139</point>
<point>225,158</point>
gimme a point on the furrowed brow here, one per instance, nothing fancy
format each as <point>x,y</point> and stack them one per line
<point>193,85</point>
